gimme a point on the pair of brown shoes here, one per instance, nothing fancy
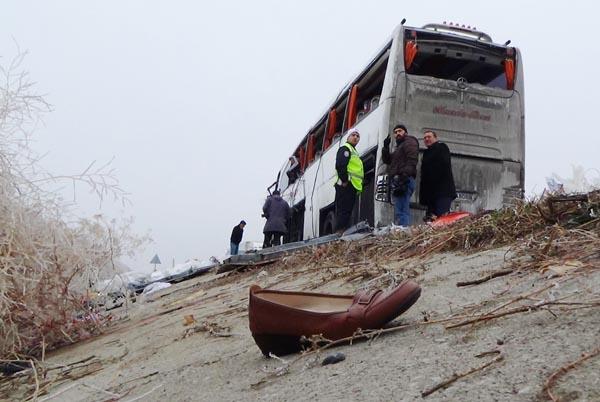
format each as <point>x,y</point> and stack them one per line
<point>278,319</point>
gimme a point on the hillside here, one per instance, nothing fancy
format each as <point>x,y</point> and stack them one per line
<point>529,330</point>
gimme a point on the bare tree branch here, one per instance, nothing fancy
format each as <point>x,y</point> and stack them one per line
<point>47,264</point>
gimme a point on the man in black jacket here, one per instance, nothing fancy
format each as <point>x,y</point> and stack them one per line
<point>437,189</point>
<point>236,237</point>
<point>402,169</point>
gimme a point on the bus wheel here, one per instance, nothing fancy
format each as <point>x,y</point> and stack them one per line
<point>329,224</point>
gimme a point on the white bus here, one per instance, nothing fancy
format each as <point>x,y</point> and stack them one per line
<point>442,77</point>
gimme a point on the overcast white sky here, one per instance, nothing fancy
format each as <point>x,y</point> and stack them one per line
<point>200,104</point>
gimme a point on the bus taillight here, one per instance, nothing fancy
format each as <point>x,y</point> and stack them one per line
<point>410,52</point>
<point>509,72</point>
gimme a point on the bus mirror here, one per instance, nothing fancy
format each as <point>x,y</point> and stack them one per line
<point>273,186</point>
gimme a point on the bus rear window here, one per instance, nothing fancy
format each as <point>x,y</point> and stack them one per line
<point>450,59</point>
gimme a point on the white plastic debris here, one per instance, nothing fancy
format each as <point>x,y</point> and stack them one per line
<point>157,275</point>
<point>554,186</point>
<point>582,181</point>
<point>155,287</point>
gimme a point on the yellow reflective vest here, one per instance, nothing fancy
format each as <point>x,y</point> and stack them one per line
<point>356,172</point>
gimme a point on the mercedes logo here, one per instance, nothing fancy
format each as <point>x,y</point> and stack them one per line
<point>461,82</point>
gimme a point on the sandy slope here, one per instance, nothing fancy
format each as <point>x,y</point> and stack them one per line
<point>146,357</point>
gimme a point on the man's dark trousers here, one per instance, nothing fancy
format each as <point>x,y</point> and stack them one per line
<point>345,197</point>
<point>272,239</point>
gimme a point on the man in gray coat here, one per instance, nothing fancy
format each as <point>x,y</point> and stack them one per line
<point>278,212</point>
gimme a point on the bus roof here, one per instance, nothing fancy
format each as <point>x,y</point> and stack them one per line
<point>468,32</point>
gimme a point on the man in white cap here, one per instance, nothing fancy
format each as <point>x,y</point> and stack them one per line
<point>350,174</point>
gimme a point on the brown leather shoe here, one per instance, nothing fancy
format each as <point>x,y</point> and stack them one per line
<point>278,319</point>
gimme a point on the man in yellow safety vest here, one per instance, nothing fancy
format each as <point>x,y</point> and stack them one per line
<point>349,181</point>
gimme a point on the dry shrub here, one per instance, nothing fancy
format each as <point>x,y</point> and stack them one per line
<point>556,226</point>
<point>47,259</point>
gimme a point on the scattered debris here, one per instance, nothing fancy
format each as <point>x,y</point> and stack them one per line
<point>188,319</point>
<point>212,328</point>
<point>486,278</point>
<point>155,287</point>
<point>457,376</point>
<point>277,371</point>
<point>40,377</point>
<point>556,270</point>
<point>10,367</point>
<point>564,369</point>
<point>333,358</point>
<point>490,352</point>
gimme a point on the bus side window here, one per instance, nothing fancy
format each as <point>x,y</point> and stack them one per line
<point>293,170</point>
<point>340,123</point>
<point>331,122</point>
<point>366,92</point>
<point>283,180</point>
<point>319,135</point>
<point>301,158</point>
<point>310,149</point>
<point>352,106</point>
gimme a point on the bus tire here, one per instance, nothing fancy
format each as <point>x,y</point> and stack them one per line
<point>329,223</point>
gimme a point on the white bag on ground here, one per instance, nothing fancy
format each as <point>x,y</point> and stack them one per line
<point>155,287</point>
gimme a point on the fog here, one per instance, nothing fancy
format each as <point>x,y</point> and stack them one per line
<point>200,104</point>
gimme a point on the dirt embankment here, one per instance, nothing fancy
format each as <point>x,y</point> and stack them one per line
<point>529,330</point>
